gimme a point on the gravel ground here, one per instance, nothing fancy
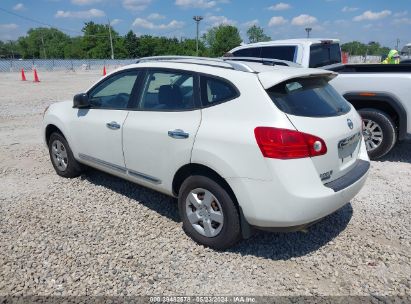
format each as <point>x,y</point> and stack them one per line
<point>99,235</point>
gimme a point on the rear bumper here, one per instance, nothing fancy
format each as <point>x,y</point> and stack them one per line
<point>361,168</point>
<point>292,199</point>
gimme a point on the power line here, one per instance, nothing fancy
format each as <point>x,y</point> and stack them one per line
<point>37,21</point>
<point>68,30</point>
<point>50,25</point>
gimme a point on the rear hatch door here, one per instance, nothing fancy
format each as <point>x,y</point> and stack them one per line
<point>314,107</point>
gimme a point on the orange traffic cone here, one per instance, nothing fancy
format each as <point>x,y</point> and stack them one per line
<point>104,71</point>
<point>36,77</point>
<point>23,76</point>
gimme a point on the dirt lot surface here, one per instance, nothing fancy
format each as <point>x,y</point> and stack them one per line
<point>99,235</point>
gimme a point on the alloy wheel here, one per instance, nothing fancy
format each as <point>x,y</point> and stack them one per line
<point>372,133</point>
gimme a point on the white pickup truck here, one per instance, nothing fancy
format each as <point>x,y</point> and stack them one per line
<point>380,93</point>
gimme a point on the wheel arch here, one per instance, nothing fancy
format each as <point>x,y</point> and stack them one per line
<point>385,102</point>
<point>50,129</point>
<point>199,169</point>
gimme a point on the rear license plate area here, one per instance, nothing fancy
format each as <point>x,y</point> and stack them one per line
<point>347,146</point>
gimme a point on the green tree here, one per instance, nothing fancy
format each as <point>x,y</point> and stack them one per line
<point>131,44</point>
<point>96,41</point>
<point>74,48</point>
<point>356,48</point>
<point>188,48</point>
<point>43,43</point>
<point>256,34</point>
<point>221,39</point>
<point>9,50</point>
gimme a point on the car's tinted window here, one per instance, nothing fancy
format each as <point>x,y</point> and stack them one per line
<point>248,52</point>
<point>312,97</point>
<point>215,90</point>
<point>114,92</point>
<point>167,90</point>
<point>324,54</point>
<point>279,52</point>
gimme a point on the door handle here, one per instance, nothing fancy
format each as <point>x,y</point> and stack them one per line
<point>178,134</point>
<point>113,125</point>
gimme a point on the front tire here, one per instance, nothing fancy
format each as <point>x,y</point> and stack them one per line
<point>62,157</point>
<point>210,216</point>
<point>379,132</point>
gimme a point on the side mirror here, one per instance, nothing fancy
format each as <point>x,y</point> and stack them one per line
<point>81,101</point>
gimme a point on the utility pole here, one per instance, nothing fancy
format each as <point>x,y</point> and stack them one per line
<point>398,44</point>
<point>308,30</point>
<point>44,49</point>
<point>12,49</point>
<point>197,19</point>
<point>111,38</point>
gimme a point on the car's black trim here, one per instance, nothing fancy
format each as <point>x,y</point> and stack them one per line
<point>119,169</point>
<point>360,169</point>
<point>390,99</point>
<point>102,163</point>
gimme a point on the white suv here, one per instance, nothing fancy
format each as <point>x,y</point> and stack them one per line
<point>241,145</point>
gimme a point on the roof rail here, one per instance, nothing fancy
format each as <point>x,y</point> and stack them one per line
<point>238,66</point>
<point>265,61</point>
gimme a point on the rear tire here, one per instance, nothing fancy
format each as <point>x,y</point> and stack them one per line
<point>210,216</point>
<point>380,134</point>
<point>62,157</point>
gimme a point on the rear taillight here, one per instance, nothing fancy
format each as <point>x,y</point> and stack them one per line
<point>286,144</point>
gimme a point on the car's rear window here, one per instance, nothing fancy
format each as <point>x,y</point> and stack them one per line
<point>248,52</point>
<point>282,52</point>
<point>324,54</point>
<point>311,97</point>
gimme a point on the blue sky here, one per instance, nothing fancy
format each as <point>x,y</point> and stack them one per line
<point>365,20</point>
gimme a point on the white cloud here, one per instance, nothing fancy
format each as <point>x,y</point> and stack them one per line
<point>85,2</point>
<point>136,5</point>
<point>144,23</point>
<point>19,7</point>
<point>342,22</point>
<point>217,20</point>
<point>203,4</point>
<point>303,20</point>
<point>195,3</point>
<point>8,26</point>
<point>115,21</point>
<point>155,16</point>
<point>401,14</point>
<point>251,23</point>
<point>8,31</point>
<point>277,20</point>
<point>348,9</point>
<point>80,14</point>
<point>280,6</point>
<point>369,15</point>
<point>402,21</point>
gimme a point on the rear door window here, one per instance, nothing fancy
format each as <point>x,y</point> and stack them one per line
<point>248,52</point>
<point>324,54</point>
<point>311,97</point>
<point>279,52</point>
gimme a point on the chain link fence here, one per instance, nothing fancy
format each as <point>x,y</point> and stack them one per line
<point>14,65</point>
